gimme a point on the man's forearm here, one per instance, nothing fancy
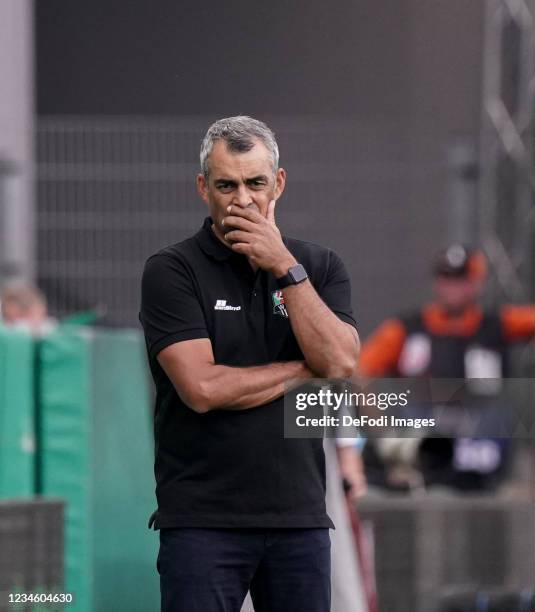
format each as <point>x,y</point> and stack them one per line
<point>227,388</point>
<point>329,346</point>
<point>352,470</point>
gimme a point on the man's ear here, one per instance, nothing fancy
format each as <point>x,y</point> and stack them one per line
<point>280,182</point>
<point>202,187</point>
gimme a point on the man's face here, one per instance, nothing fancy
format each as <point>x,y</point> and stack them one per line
<point>239,179</point>
<point>456,294</point>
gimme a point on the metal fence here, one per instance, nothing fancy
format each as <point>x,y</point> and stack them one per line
<point>508,146</point>
<point>429,547</point>
<point>113,190</point>
<point>31,554</point>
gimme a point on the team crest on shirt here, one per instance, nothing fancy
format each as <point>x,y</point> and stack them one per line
<point>278,304</point>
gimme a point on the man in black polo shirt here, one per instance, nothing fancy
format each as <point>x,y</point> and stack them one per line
<point>230,315</point>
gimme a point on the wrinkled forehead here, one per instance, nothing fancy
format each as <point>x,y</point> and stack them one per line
<point>225,163</point>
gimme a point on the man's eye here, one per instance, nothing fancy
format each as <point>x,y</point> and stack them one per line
<point>258,184</point>
<point>225,187</point>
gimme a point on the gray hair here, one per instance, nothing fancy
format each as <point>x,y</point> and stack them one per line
<point>239,133</point>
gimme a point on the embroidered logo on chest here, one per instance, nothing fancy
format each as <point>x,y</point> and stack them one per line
<point>222,305</point>
<point>278,304</point>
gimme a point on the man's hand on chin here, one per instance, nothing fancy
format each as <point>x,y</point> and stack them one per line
<point>258,238</point>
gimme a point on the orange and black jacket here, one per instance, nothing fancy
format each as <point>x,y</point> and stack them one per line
<point>448,340</point>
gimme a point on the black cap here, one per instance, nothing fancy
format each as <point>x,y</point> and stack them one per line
<point>452,261</point>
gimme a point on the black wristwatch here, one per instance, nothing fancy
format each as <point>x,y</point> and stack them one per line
<point>296,274</point>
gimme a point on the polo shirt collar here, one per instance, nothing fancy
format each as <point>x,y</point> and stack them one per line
<point>211,244</point>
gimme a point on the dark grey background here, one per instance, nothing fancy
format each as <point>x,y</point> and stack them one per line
<point>366,97</point>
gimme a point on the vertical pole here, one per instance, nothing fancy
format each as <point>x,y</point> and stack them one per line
<point>17,215</point>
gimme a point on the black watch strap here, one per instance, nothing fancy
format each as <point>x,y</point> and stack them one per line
<point>296,274</point>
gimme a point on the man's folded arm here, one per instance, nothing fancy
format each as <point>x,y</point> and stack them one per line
<point>204,386</point>
<point>329,343</point>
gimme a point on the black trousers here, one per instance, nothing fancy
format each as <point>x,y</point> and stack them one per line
<point>211,570</point>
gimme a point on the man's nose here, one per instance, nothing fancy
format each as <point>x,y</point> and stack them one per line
<point>242,197</point>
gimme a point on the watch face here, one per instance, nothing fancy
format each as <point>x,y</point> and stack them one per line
<point>298,273</point>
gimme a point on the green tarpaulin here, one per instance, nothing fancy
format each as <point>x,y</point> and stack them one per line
<point>97,454</point>
<point>17,443</point>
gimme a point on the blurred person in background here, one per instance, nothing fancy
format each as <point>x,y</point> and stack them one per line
<point>452,337</point>
<point>24,306</point>
<point>348,451</point>
<point>230,316</point>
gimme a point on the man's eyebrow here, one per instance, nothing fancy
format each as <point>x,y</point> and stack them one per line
<point>225,181</point>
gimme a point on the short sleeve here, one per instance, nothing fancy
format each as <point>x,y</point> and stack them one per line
<point>170,309</point>
<point>336,291</point>
<point>518,321</point>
